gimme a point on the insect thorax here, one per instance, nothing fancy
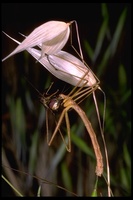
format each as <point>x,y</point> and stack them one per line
<point>55,103</point>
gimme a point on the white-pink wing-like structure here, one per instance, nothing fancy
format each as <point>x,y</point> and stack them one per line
<point>73,68</point>
<point>64,66</point>
<point>51,36</point>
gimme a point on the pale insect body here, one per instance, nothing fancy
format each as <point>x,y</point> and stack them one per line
<point>51,36</point>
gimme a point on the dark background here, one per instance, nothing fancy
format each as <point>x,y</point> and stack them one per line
<point>24,17</point>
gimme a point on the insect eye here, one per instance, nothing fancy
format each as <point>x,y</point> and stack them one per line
<point>54,104</point>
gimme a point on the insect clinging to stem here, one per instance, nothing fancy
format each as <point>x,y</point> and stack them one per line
<point>67,102</point>
<point>55,64</point>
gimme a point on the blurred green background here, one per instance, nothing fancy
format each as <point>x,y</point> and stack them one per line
<point>105,33</point>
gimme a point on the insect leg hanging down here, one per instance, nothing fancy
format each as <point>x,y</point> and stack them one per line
<point>54,102</point>
<point>68,103</point>
<point>84,78</point>
<point>68,68</point>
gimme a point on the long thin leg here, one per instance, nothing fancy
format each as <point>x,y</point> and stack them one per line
<point>47,126</point>
<point>57,127</point>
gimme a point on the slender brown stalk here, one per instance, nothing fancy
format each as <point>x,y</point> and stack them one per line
<point>99,167</point>
<point>68,104</point>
